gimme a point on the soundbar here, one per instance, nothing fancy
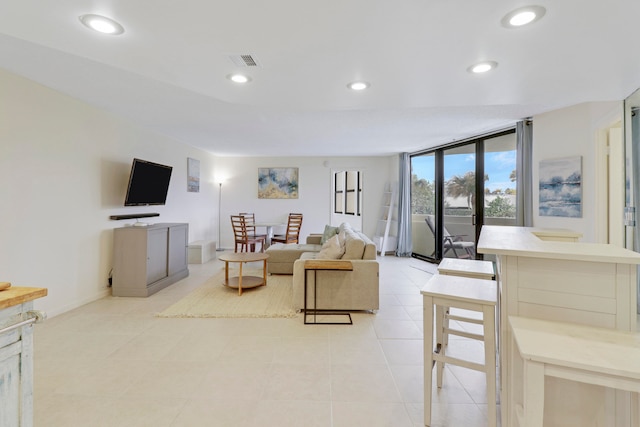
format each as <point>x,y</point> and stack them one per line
<point>134,216</point>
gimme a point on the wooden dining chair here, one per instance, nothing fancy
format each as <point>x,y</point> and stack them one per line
<point>293,230</point>
<point>250,223</point>
<point>243,240</point>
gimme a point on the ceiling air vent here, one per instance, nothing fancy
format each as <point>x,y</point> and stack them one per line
<point>244,60</point>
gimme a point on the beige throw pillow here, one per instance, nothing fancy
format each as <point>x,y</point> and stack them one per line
<point>332,249</point>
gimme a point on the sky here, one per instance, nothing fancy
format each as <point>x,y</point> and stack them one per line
<point>498,165</point>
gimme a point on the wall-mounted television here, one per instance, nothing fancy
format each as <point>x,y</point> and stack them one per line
<point>148,183</point>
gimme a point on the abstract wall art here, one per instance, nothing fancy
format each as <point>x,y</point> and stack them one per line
<point>560,187</point>
<point>277,183</point>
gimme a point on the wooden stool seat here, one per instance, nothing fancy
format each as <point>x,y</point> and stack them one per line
<point>467,268</point>
<point>441,292</point>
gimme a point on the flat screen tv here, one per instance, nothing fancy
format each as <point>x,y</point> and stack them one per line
<point>148,184</point>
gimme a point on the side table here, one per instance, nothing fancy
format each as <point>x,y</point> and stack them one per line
<point>315,266</point>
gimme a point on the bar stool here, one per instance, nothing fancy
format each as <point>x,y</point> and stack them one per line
<point>465,268</point>
<point>467,293</point>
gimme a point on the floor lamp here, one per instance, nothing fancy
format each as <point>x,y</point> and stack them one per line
<point>219,248</point>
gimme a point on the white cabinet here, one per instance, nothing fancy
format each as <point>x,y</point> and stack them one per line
<point>148,259</point>
<point>16,355</point>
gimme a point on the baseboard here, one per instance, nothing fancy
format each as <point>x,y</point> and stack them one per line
<point>57,311</point>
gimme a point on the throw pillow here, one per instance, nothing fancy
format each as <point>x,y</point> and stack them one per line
<point>332,249</point>
<point>354,246</point>
<point>329,232</point>
<point>342,237</point>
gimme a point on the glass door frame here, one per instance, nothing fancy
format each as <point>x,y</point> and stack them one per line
<point>478,216</point>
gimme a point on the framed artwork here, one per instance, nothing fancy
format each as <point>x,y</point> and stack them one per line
<point>352,193</point>
<point>347,193</point>
<point>560,187</point>
<point>193,175</point>
<point>277,183</point>
<point>338,194</point>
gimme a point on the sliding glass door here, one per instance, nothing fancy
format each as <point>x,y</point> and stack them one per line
<point>500,185</point>
<point>459,202</point>
<point>423,204</point>
<point>449,201</point>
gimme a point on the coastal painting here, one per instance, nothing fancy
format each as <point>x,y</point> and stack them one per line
<point>277,183</point>
<point>560,187</point>
<point>193,175</point>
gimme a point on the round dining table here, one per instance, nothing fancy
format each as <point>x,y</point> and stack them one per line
<point>269,227</point>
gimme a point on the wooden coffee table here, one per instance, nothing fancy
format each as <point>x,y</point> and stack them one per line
<point>241,281</point>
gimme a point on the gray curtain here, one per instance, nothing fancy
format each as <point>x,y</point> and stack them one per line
<point>404,248</point>
<point>524,173</point>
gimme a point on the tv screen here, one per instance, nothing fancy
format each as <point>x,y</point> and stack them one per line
<point>148,183</point>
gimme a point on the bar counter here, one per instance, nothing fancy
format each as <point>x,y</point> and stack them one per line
<point>18,295</point>
<point>547,274</point>
<point>16,353</point>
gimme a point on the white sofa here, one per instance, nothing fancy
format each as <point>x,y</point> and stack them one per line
<point>341,290</point>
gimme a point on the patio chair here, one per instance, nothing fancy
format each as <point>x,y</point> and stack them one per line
<point>453,243</point>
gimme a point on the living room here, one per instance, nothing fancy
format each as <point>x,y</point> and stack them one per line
<point>65,164</point>
<point>73,168</point>
<point>72,162</point>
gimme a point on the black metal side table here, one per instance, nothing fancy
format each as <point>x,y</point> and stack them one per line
<point>326,265</point>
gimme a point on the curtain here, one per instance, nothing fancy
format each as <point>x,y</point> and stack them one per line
<point>404,247</point>
<point>524,173</point>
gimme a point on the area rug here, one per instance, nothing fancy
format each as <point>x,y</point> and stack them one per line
<point>213,299</point>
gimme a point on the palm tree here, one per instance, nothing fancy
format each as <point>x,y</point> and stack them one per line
<point>464,186</point>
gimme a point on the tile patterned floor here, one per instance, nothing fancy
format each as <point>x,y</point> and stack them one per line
<point>112,363</point>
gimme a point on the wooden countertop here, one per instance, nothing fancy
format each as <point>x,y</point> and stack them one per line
<point>17,295</point>
<point>524,241</point>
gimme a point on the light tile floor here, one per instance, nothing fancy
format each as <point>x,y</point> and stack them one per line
<point>112,363</point>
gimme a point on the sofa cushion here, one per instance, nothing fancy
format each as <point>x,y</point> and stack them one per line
<point>289,252</point>
<point>369,248</point>
<point>332,249</point>
<point>308,255</point>
<point>283,255</point>
<point>354,245</point>
<point>328,233</point>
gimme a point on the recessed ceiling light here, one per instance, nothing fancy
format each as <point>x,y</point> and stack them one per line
<point>482,67</point>
<point>102,24</point>
<point>239,78</point>
<point>358,85</point>
<point>523,16</point>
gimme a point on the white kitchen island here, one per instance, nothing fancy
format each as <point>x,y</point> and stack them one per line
<point>547,274</point>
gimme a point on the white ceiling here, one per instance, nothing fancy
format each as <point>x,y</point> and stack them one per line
<point>167,72</point>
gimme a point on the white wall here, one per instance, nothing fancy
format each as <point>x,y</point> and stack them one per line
<point>240,190</point>
<point>64,168</point>
<point>566,133</point>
